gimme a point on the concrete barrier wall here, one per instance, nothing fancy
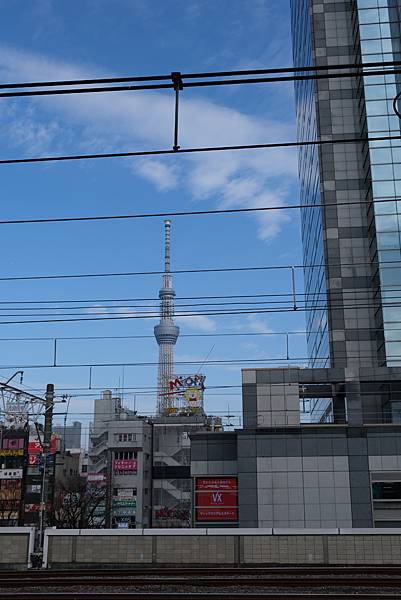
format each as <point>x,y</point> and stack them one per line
<point>16,546</point>
<point>221,547</point>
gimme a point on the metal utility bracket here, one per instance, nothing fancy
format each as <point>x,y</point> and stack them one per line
<point>178,86</point>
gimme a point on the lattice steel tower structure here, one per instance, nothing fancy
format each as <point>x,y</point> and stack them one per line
<point>166,333</point>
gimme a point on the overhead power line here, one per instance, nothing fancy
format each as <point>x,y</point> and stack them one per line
<point>182,335</point>
<point>179,81</point>
<point>384,265</point>
<point>260,311</point>
<point>204,308</point>
<point>293,360</point>
<point>167,77</point>
<point>272,145</point>
<point>392,288</point>
<point>187,213</point>
<point>205,79</point>
<point>392,293</point>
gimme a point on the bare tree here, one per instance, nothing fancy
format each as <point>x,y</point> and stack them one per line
<point>76,505</point>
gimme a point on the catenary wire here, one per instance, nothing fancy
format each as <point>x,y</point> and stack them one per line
<point>389,301</point>
<point>182,335</point>
<point>306,76</point>
<point>299,297</point>
<point>392,288</point>
<point>311,296</point>
<point>156,315</point>
<point>272,145</point>
<point>294,360</point>
<point>242,72</point>
<point>385,265</point>
<point>195,212</point>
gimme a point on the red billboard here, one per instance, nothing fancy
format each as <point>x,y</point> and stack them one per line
<point>33,460</point>
<point>126,465</point>
<point>217,514</point>
<point>219,483</point>
<point>216,499</point>
<point>35,447</point>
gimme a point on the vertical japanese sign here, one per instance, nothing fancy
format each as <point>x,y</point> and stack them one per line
<point>216,499</point>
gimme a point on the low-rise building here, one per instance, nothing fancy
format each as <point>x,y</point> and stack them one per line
<point>120,459</point>
<point>278,472</point>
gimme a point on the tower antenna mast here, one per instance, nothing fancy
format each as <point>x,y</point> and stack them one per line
<point>166,332</point>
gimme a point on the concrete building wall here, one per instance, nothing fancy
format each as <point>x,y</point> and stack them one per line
<point>270,397</point>
<point>310,476</point>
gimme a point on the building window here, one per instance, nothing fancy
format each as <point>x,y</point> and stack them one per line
<point>386,490</point>
<point>34,488</point>
<point>125,455</point>
<point>125,437</point>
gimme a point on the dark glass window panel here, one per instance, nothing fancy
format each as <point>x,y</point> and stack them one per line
<point>386,490</point>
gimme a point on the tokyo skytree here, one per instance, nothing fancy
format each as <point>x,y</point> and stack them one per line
<point>166,333</point>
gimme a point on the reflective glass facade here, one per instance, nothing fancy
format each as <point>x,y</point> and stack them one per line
<point>379,31</point>
<point>355,318</point>
<point>309,177</point>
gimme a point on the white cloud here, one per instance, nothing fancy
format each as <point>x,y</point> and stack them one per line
<point>258,325</point>
<point>157,172</point>
<point>36,137</point>
<point>253,324</point>
<point>198,322</point>
<point>145,120</point>
<point>97,309</point>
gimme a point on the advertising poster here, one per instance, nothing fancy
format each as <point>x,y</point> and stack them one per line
<point>35,447</point>
<point>186,394</point>
<point>124,466</point>
<point>216,499</point>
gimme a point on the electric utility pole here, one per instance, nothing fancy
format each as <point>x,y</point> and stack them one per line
<point>47,436</point>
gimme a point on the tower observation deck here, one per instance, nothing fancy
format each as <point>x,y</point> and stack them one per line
<point>166,332</point>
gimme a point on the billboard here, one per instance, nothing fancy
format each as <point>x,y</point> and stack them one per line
<point>186,394</point>
<point>35,446</point>
<point>11,473</point>
<point>96,478</point>
<point>124,466</point>
<point>216,499</point>
<point>33,460</point>
<point>13,443</point>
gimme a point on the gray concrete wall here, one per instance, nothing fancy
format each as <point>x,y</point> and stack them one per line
<point>16,545</point>
<point>224,547</point>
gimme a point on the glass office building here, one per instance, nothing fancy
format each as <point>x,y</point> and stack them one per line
<point>379,31</point>
<point>352,243</point>
<point>309,178</point>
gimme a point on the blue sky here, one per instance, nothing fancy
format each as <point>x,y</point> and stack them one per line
<point>49,39</point>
